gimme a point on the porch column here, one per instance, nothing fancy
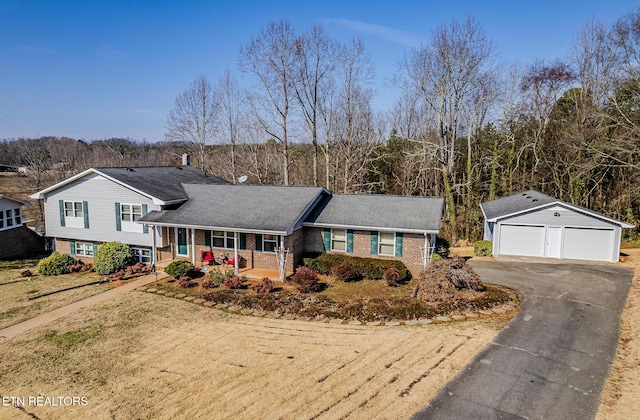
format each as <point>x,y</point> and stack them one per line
<point>235,252</point>
<point>154,232</point>
<point>426,253</point>
<point>193,246</point>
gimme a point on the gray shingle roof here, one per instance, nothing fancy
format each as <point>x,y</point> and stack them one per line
<point>400,213</point>
<point>162,182</point>
<point>515,203</point>
<point>242,207</point>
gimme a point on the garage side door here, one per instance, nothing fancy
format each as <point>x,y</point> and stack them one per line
<point>522,240</point>
<point>588,244</point>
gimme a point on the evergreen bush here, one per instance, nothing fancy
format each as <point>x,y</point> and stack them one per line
<point>112,257</point>
<point>55,264</point>
<point>180,268</point>
<point>482,248</point>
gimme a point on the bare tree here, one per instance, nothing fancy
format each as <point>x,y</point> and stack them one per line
<point>315,57</point>
<point>443,73</point>
<point>270,57</point>
<point>230,113</point>
<point>193,117</point>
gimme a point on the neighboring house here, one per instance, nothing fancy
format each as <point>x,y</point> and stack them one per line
<point>205,213</point>
<point>536,225</point>
<point>16,239</point>
<point>104,204</point>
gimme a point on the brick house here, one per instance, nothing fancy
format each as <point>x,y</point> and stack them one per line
<point>269,227</point>
<point>16,239</point>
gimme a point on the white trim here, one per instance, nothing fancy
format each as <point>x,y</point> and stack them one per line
<point>276,240</point>
<point>135,248</point>
<point>84,246</point>
<point>225,237</point>
<point>370,228</point>
<point>393,254</point>
<point>331,240</point>
<point>178,254</point>
<point>17,200</point>
<point>230,229</point>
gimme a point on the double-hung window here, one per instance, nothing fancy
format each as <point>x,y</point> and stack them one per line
<point>222,239</point>
<point>9,217</point>
<point>338,239</point>
<point>74,214</point>
<point>142,254</point>
<point>84,249</point>
<point>269,243</point>
<point>129,215</point>
<point>387,243</point>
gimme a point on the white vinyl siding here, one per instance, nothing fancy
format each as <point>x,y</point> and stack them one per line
<point>589,244</point>
<point>101,194</point>
<point>522,240</point>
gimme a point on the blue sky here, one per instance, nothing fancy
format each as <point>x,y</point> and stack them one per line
<point>100,69</point>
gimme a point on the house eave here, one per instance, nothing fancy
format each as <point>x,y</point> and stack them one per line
<point>225,228</point>
<point>371,228</point>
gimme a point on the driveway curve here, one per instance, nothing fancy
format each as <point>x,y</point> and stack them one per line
<point>552,359</point>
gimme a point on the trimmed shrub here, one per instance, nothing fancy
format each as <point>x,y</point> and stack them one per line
<point>371,268</point>
<point>112,257</point>
<point>306,280</point>
<point>236,282</point>
<point>55,264</point>
<point>264,287</point>
<point>391,276</point>
<point>344,272</point>
<point>179,268</point>
<point>185,282</point>
<point>218,276</point>
<point>482,248</point>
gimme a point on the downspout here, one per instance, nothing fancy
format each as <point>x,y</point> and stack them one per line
<point>155,232</point>
<point>426,253</point>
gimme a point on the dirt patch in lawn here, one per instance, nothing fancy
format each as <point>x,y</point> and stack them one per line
<point>619,398</point>
<point>146,356</point>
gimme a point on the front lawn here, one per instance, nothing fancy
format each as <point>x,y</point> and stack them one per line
<point>15,291</point>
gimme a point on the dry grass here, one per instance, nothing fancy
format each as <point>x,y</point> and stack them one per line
<point>15,291</point>
<point>148,356</point>
<point>619,399</point>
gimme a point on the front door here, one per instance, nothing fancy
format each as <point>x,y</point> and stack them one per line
<point>183,246</point>
<point>554,242</point>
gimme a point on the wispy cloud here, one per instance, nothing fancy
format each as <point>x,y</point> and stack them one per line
<point>391,34</point>
<point>33,50</point>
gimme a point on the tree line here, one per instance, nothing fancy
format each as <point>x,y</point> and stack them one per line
<point>465,127</point>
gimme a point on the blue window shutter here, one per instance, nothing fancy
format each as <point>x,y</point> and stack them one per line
<point>258,242</point>
<point>118,218</point>
<point>374,243</point>
<point>95,249</point>
<point>207,238</point>
<point>145,210</point>
<point>72,245</point>
<point>326,237</point>
<point>349,240</point>
<point>61,203</point>
<point>243,241</point>
<point>85,211</point>
<point>398,244</point>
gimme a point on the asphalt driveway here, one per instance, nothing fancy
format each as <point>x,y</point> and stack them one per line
<point>551,360</point>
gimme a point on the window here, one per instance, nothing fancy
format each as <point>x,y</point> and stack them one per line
<point>221,239</point>
<point>387,243</point>
<point>269,243</point>
<point>17,217</point>
<point>84,248</point>
<point>338,239</point>
<point>130,212</point>
<point>73,209</point>
<point>129,215</point>
<point>143,255</point>
<point>9,217</point>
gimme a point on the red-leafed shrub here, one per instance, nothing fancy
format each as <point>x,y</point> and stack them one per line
<point>265,286</point>
<point>345,272</point>
<point>26,273</point>
<point>185,282</point>
<point>236,282</point>
<point>392,276</point>
<point>306,280</point>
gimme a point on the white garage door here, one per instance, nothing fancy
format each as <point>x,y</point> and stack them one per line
<point>588,244</point>
<point>522,240</point>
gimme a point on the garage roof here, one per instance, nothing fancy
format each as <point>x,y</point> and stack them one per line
<point>531,200</point>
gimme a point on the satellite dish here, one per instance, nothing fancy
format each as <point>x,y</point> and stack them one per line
<point>243,179</point>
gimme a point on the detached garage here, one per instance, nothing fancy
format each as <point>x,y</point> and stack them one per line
<point>533,224</point>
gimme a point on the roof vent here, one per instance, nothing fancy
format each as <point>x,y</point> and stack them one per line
<point>179,168</point>
<point>534,200</point>
<point>523,194</point>
<point>528,197</point>
<point>130,170</point>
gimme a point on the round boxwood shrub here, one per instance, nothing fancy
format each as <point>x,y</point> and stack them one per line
<point>55,264</point>
<point>112,257</point>
<point>482,248</point>
<point>344,272</point>
<point>179,268</point>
